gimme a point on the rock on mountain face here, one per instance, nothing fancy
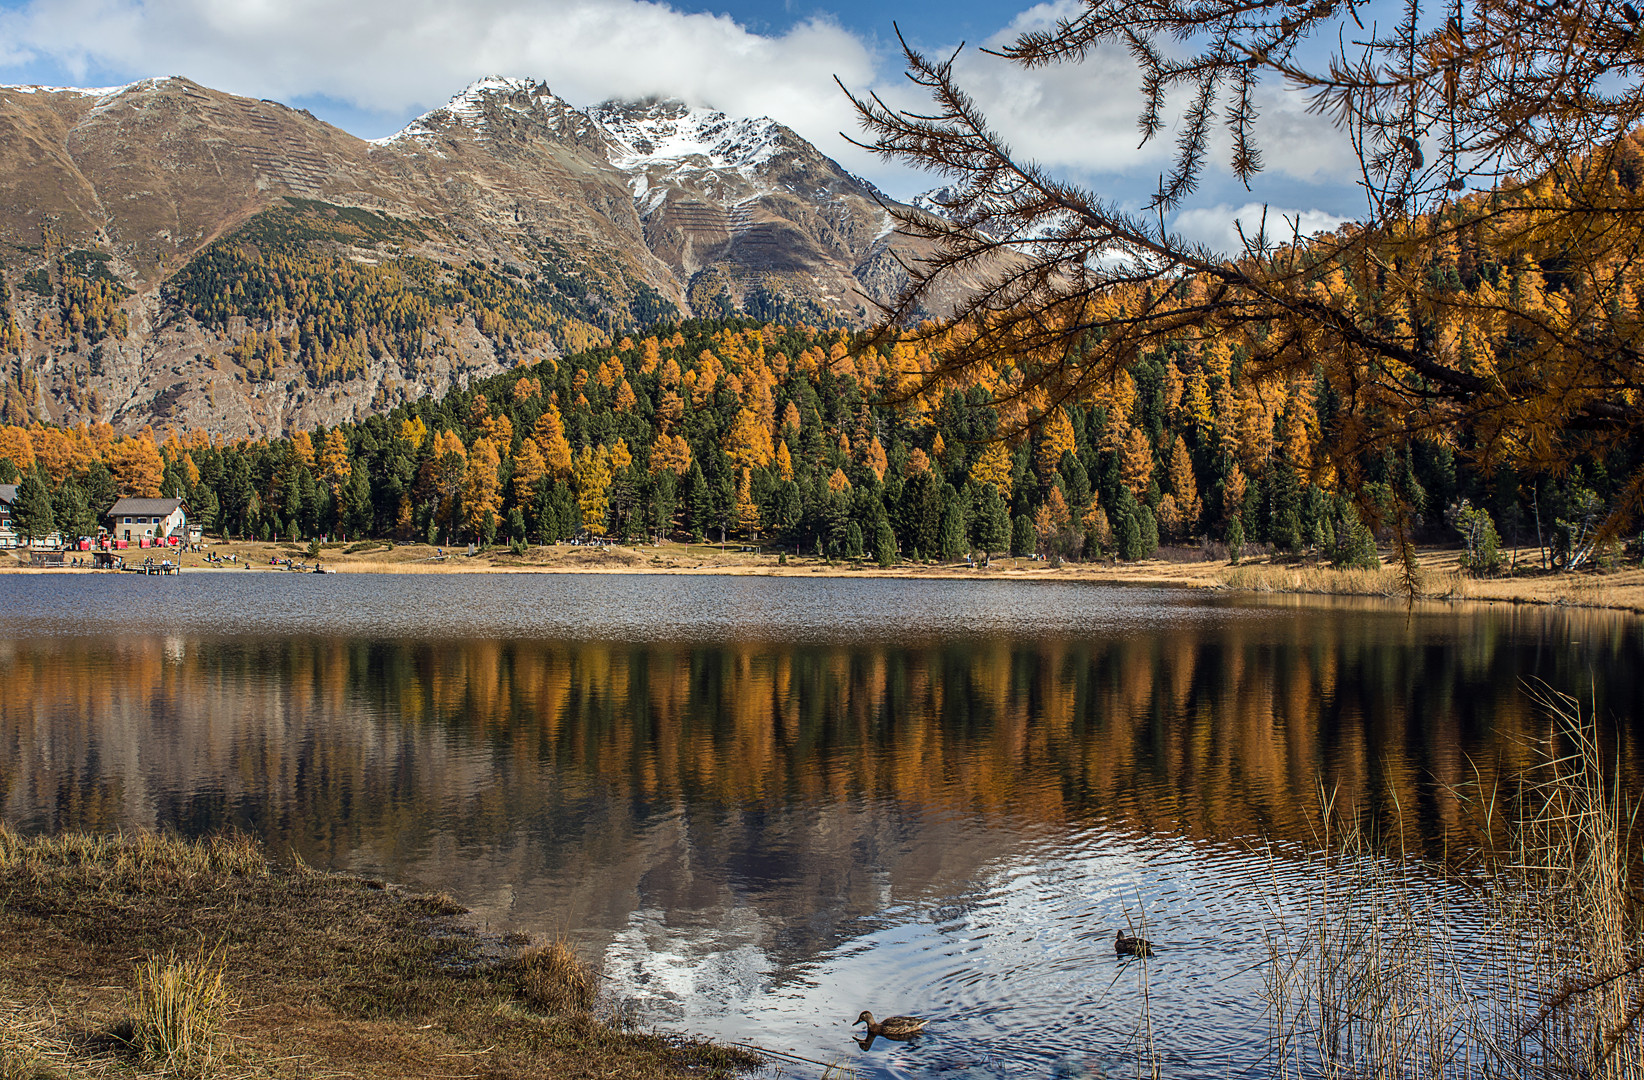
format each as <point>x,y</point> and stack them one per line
<point>133,218</point>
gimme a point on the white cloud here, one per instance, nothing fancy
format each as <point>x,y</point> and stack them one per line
<point>391,56</point>
<point>1217,227</point>
<point>1080,117</point>
<point>399,57</point>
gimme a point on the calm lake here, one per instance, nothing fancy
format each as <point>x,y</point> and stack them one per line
<point>768,804</point>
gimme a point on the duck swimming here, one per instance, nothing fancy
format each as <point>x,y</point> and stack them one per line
<point>892,1027</point>
<point>1125,945</point>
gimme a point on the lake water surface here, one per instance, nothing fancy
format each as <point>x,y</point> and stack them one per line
<point>768,804</point>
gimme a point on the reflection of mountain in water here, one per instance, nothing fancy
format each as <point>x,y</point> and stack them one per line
<point>805,787</point>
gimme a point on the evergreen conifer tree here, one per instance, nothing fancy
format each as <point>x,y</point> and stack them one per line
<point>884,544</point>
<point>71,515</point>
<point>953,531</point>
<point>1149,528</point>
<point>992,522</point>
<point>32,517</point>
<point>1022,538</point>
<point>1127,527</point>
<point>853,541</point>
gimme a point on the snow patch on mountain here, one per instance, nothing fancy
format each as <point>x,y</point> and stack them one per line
<point>469,108</point>
<point>101,93</point>
<point>937,201</point>
<point>673,134</point>
<point>82,91</point>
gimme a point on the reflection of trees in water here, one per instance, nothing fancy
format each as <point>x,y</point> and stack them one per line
<point>688,774</point>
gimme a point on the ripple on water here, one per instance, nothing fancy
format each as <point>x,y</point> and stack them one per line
<point>642,607</point>
<point>1018,974</point>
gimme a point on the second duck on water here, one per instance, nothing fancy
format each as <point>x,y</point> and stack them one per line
<point>1125,945</point>
<point>892,1027</point>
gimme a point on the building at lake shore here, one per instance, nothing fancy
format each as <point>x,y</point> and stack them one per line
<point>148,521</point>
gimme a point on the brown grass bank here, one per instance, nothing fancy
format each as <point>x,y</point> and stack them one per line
<point>144,955</point>
<point>1441,576</point>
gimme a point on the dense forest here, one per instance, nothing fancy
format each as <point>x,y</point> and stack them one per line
<point>811,438</point>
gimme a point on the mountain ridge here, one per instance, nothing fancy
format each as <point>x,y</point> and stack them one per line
<point>525,226</point>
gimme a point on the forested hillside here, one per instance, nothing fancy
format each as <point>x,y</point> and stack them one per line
<point>793,434</point>
<point>174,255</point>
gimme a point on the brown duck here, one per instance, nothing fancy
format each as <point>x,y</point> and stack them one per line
<point>1125,945</point>
<point>892,1027</point>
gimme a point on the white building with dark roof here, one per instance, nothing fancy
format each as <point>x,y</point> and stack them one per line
<point>153,521</point>
<point>8,499</point>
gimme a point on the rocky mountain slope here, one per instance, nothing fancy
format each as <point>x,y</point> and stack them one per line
<point>175,255</point>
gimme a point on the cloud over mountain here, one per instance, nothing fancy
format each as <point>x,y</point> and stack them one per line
<point>393,59</point>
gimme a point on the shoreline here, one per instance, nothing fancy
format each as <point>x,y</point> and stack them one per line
<point>322,974</point>
<point>1620,589</point>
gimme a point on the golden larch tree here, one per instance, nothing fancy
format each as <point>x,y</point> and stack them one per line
<point>413,432</point>
<point>591,475</point>
<point>992,466</point>
<point>1055,439</point>
<point>671,453</point>
<point>303,446</point>
<point>874,457</point>
<point>749,441</point>
<point>482,487</point>
<point>137,467</point>
<point>1136,461</point>
<point>550,437</point>
<point>747,511</point>
<point>1183,485</point>
<point>1052,516</point>
<point>500,430</point>
<point>16,446</point>
<point>529,467</point>
<point>335,467</point>
<point>1233,491</point>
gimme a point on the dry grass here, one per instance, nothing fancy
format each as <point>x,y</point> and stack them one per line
<point>177,1011</point>
<point>27,1051</point>
<point>552,978</point>
<point>1390,968</point>
<point>331,975</point>
<point>139,862</point>
<point>1276,578</point>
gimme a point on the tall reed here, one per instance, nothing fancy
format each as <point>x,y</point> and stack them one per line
<point>1390,967</point>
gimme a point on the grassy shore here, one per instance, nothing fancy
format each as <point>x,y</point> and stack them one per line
<point>1441,576</point>
<point>144,955</point>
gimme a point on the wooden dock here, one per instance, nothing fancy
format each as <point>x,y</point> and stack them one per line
<point>152,569</point>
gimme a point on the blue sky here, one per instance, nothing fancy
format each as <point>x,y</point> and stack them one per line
<point>925,23</point>
<point>369,66</point>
